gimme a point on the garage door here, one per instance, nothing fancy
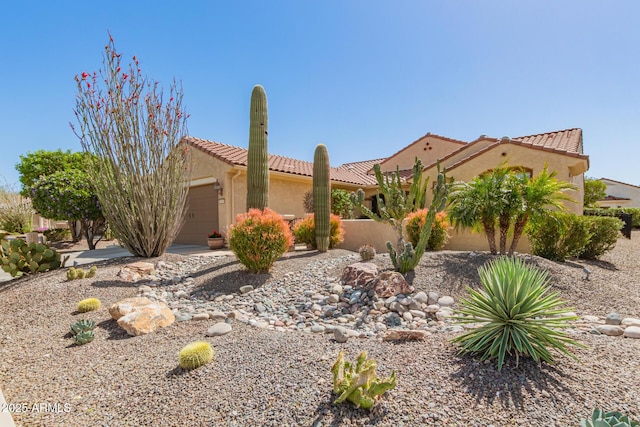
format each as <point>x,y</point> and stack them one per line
<point>201,217</point>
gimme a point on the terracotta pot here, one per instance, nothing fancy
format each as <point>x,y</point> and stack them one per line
<point>215,242</point>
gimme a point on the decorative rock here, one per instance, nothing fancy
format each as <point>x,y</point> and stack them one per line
<point>140,267</point>
<point>611,330</point>
<point>334,298</point>
<point>260,308</point>
<point>128,275</point>
<point>443,314</point>
<point>401,335</point>
<point>200,316</point>
<point>140,315</point>
<point>421,298</point>
<point>245,289</point>
<point>445,301</point>
<point>160,265</point>
<point>418,313</point>
<point>337,289</point>
<point>220,328</point>
<point>183,317</point>
<point>432,309</point>
<point>407,316</point>
<point>359,274</point>
<point>433,298</point>
<point>630,321</point>
<point>144,289</point>
<point>390,283</point>
<point>317,328</point>
<point>591,319</point>
<point>613,319</point>
<point>340,334</point>
<point>217,315</point>
<point>632,332</point>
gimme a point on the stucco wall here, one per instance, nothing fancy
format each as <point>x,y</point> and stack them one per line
<point>428,149</point>
<point>621,190</point>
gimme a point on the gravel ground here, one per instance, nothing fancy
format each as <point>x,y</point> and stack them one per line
<point>264,377</point>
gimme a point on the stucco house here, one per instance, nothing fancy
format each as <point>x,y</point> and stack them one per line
<point>218,188</point>
<point>619,195</point>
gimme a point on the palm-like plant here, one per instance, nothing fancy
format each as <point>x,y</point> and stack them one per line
<point>538,195</point>
<point>518,314</point>
<point>479,203</point>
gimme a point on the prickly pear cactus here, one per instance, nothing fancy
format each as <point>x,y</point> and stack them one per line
<point>17,257</point>
<point>322,197</point>
<point>258,155</point>
<point>358,382</point>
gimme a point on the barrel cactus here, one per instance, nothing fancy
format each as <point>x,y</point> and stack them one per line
<point>258,155</point>
<point>89,304</point>
<point>322,197</point>
<point>196,354</point>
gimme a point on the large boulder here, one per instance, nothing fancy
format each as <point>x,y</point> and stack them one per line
<point>390,283</point>
<point>140,315</point>
<point>359,274</point>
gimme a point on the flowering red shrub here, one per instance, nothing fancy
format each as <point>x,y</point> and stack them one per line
<point>305,232</point>
<point>438,237</point>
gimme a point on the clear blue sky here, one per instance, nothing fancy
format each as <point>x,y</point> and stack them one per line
<point>364,77</point>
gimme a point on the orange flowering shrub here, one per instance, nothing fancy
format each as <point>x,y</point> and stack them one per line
<point>305,232</point>
<point>438,237</point>
<point>258,238</point>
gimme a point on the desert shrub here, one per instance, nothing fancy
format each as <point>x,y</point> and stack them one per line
<point>635,212</point>
<point>438,237</point>
<point>604,235</point>
<point>304,231</point>
<point>519,315</point>
<point>341,203</point>
<point>559,236</point>
<point>57,234</point>
<point>15,211</point>
<point>258,238</point>
<point>599,418</point>
<point>367,252</point>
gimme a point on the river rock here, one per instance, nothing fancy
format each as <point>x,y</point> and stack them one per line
<point>611,330</point>
<point>613,319</point>
<point>220,328</point>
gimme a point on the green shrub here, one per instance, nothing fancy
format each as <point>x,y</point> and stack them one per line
<point>635,212</point>
<point>519,315</point>
<point>304,231</point>
<point>196,354</point>
<point>258,238</point>
<point>341,204</point>
<point>438,237</point>
<point>57,234</point>
<point>559,236</point>
<point>357,382</point>
<point>609,419</point>
<point>17,258</point>
<point>604,235</point>
<point>367,252</point>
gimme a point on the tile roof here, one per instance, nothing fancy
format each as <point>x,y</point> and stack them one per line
<point>238,156</point>
<point>444,138</point>
<point>619,182</point>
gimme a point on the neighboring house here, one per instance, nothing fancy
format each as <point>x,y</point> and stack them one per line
<point>620,195</point>
<point>218,188</point>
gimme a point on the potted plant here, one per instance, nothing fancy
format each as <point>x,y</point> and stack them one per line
<point>215,240</point>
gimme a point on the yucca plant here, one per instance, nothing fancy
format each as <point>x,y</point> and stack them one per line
<point>609,419</point>
<point>519,315</point>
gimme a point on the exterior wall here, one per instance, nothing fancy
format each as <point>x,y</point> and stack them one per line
<point>428,149</point>
<point>358,232</point>
<point>515,155</point>
<point>619,189</point>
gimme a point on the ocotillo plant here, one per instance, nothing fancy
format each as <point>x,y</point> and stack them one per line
<point>321,197</point>
<point>397,204</point>
<point>258,156</point>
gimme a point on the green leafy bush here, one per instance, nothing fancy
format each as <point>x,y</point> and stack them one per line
<point>304,231</point>
<point>341,204</point>
<point>57,234</point>
<point>258,238</point>
<point>17,258</point>
<point>438,237</point>
<point>559,236</point>
<point>358,383</point>
<point>635,212</point>
<point>604,235</point>
<point>519,315</point>
<point>609,419</point>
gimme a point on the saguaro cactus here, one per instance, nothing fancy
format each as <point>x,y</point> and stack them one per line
<point>321,197</point>
<point>258,156</point>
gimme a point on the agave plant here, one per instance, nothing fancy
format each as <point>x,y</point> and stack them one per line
<point>519,315</point>
<point>609,419</point>
<point>82,326</point>
<point>83,337</point>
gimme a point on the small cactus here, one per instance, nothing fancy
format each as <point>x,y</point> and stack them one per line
<point>196,354</point>
<point>81,273</point>
<point>614,419</point>
<point>89,304</point>
<point>91,272</point>
<point>83,337</point>
<point>367,252</point>
<point>72,274</point>
<point>82,326</point>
